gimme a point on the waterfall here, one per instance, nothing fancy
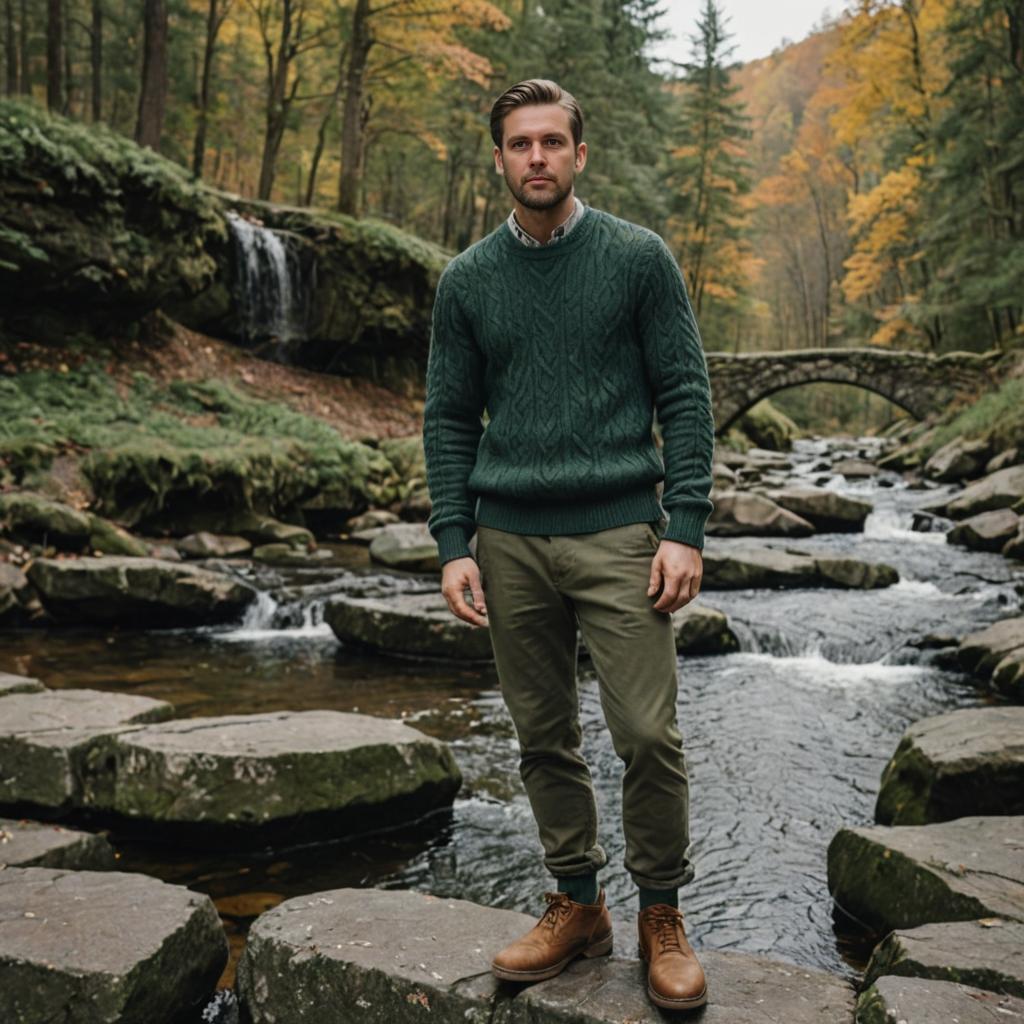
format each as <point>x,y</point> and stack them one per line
<point>270,292</point>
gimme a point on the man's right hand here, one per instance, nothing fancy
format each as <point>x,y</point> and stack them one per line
<point>457,576</point>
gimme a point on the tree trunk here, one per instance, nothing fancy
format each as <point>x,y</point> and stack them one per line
<point>10,48</point>
<point>353,117</point>
<point>96,60</point>
<point>214,20</point>
<point>153,96</point>
<point>277,110</point>
<point>321,135</point>
<point>54,65</point>
<point>24,85</point>
<point>69,81</point>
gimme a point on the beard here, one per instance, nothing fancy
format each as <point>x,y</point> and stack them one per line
<point>542,201</point>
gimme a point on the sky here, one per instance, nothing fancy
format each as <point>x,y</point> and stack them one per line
<point>756,28</point>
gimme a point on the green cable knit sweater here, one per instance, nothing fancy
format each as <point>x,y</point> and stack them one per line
<point>570,348</point>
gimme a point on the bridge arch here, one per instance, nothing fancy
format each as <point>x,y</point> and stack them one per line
<point>915,381</point>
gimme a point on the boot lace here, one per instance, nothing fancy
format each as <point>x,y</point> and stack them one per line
<point>557,910</point>
<point>666,925</point>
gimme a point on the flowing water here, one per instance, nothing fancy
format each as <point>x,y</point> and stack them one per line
<point>785,740</point>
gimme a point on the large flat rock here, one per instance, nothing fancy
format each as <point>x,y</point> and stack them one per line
<point>921,1001</point>
<point>909,875</point>
<point>738,569</point>
<point>36,844</point>
<point>49,740</point>
<point>412,624</point>
<point>997,652</point>
<point>105,947</point>
<point>18,684</point>
<point>826,510</point>
<point>137,591</point>
<point>386,956</point>
<point>962,762</point>
<point>987,954</point>
<point>315,772</point>
<point>1002,489</point>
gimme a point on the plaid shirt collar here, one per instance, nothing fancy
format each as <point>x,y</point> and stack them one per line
<point>557,235</point>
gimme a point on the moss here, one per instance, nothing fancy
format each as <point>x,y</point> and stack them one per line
<point>147,450</point>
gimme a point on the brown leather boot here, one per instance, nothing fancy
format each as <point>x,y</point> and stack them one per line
<point>675,978</point>
<point>565,931</point>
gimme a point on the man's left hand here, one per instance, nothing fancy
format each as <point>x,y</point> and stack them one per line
<point>677,569</point>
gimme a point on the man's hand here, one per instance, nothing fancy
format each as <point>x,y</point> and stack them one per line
<point>677,568</point>
<point>457,576</point>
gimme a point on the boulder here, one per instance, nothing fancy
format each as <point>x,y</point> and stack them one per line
<point>213,545</point>
<point>742,513</point>
<point>234,522</point>
<point>1002,489</point>
<point>285,554</point>
<point>1014,546</point>
<point>416,624</point>
<point>769,427</point>
<point>107,538</point>
<point>406,546</point>
<point>1008,676</point>
<point>962,762</point>
<point>105,947</point>
<point>26,844</point>
<point>703,630</point>
<point>18,684</point>
<point>855,469</point>
<point>825,510</point>
<point>17,598</point>
<point>371,519</point>
<point>137,591</point>
<point>49,741</point>
<point>908,875</point>
<point>33,518</point>
<point>960,459</point>
<point>722,476</point>
<point>382,956</point>
<point>987,954</point>
<point>286,773</point>
<point>987,531</point>
<point>740,569</point>
<point>1007,457</point>
<point>981,652</point>
<point>921,1001</point>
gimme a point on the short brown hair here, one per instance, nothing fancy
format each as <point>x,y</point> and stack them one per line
<point>535,91</point>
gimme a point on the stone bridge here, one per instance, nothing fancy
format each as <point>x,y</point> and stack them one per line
<point>917,382</point>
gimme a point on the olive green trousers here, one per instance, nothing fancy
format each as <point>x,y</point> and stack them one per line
<point>538,590</point>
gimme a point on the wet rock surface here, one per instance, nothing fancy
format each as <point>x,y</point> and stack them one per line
<point>18,684</point>
<point>385,956</point>
<point>405,546</point>
<point>921,1001</point>
<point>987,954</point>
<point>297,773</point>
<point>743,513</point>
<point>738,569</point>
<point>826,510</point>
<point>36,844</point>
<point>104,947</point>
<point>947,766</point>
<point>137,591</point>
<point>987,531</point>
<point>906,876</point>
<point>997,653</point>
<point>50,741</point>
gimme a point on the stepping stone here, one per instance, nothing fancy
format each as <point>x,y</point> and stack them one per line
<point>987,954</point>
<point>294,773</point>
<point>1002,489</point>
<point>744,513</point>
<point>415,624</point>
<point>909,875</point>
<point>18,684</point>
<point>391,955</point>
<point>739,569</point>
<point>406,546</point>
<point>981,652</point>
<point>958,763</point>
<point>703,630</point>
<point>921,1001</point>
<point>213,545</point>
<point>105,947</point>
<point>51,740</point>
<point>26,844</point>
<point>285,554</point>
<point>137,591</point>
<point>825,510</point>
<point>987,531</point>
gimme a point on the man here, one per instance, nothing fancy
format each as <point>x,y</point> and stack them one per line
<point>571,327</point>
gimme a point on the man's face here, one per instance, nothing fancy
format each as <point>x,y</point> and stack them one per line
<point>537,156</point>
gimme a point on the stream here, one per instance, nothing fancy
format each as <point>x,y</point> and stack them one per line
<point>785,740</point>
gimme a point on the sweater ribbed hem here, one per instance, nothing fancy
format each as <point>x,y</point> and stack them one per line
<point>451,544</point>
<point>569,516</point>
<point>686,524</point>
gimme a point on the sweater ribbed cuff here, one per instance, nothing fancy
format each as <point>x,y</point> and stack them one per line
<point>686,525</point>
<point>452,543</point>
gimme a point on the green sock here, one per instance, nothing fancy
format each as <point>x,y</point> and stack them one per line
<point>648,897</point>
<point>581,888</point>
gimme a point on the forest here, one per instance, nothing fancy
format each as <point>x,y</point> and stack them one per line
<point>862,186</point>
